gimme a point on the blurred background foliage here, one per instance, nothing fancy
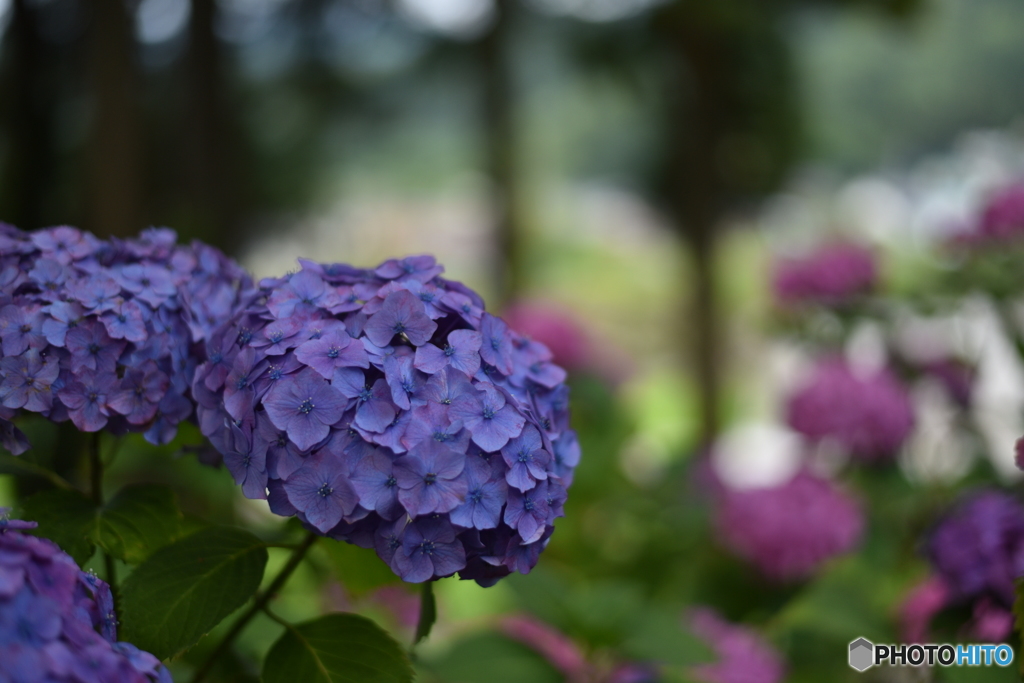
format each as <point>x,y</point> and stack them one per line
<point>628,168</point>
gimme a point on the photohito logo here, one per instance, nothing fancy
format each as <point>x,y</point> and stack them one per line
<point>864,654</point>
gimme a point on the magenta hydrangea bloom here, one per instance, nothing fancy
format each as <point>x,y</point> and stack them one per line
<point>743,656</point>
<point>387,408</point>
<point>870,415</point>
<point>1001,219</point>
<point>832,275</point>
<point>57,622</point>
<point>789,531</point>
<point>107,333</point>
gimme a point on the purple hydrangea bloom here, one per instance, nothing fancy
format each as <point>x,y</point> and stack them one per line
<point>743,656</point>
<point>108,333</point>
<point>788,531</point>
<point>868,415</point>
<point>388,409</point>
<point>834,274</point>
<point>978,548</point>
<point>56,621</point>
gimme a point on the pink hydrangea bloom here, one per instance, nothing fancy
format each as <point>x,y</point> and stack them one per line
<point>555,328</point>
<point>1003,215</point>
<point>788,531</point>
<point>831,275</point>
<point>922,603</point>
<point>556,647</point>
<point>870,415</point>
<point>743,656</point>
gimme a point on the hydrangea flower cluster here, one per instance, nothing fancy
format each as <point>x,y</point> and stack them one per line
<point>57,622</point>
<point>978,549</point>
<point>107,333</point>
<point>789,531</point>
<point>1001,219</point>
<point>743,656</point>
<point>833,274</point>
<point>870,415</point>
<point>386,408</point>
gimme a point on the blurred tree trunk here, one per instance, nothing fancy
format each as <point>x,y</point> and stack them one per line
<point>211,175</point>
<point>28,113</point>
<point>500,147</point>
<point>698,129</point>
<point>115,165</point>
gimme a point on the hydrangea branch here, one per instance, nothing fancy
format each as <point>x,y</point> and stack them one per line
<point>259,605</point>
<point>96,487</point>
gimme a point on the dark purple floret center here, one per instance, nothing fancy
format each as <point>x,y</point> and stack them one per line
<point>476,495</point>
<point>442,436</point>
<point>525,456</point>
<point>306,407</point>
<point>399,327</point>
<point>245,336</point>
<point>427,548</point>
<point>276,336</point>
<point>26,327</point>
<point>527,503</point>
<point>495,343</point>
<point>242,383</point>
<point>391,482</point>
<point>430,478</point>
<point>333,352</point>
<point>365,394</point>
<point>275,372</point>
<point>449,350</point>
<point>488,413</point>
<point>325,490</point>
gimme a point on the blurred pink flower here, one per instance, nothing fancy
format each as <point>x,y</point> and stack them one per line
<point>1003,215</point>
<point>832,275</point>
<point>743,656</point>
<point>870,415</point>
<point>990,622</point>
<point>400,602</point>
<point>574,347</point>
<point>788,531</point>
<point>556,647</point>
<point>922,603</point>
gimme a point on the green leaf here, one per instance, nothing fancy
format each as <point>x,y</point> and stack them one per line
<point>492,658</point>
<point>185,589</point>
<point>66,518</point>
<point>660,637</point>
<point>336,648</point>
<point>358,569</point>
<point>22,467</point>
<point>428,612</point>
<point>138,521</point>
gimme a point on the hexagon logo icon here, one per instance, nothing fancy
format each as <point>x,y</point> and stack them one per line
<point>862,654</point>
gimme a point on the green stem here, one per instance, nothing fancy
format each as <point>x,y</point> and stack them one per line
<point>96,485</point>
<point>257,607</point>
<point>428,612</point>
